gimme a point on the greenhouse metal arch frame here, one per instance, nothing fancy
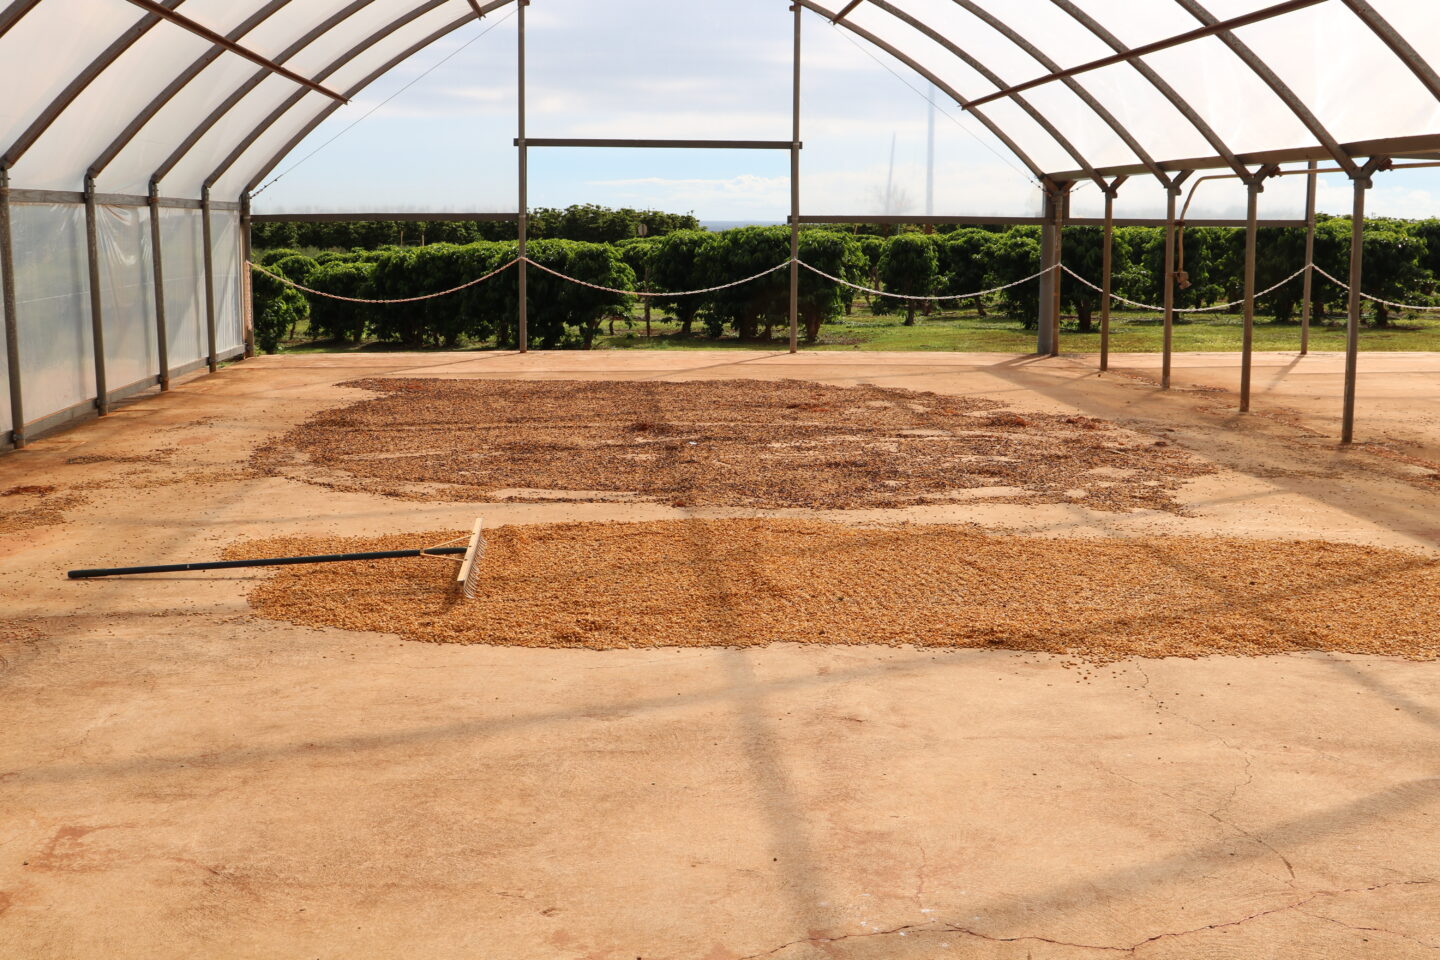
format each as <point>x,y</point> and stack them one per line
<point>135,131</point>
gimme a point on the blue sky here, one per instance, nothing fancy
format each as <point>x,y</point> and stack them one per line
<point>696,69</point>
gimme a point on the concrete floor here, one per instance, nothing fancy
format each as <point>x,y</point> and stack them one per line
<point>179,780</point>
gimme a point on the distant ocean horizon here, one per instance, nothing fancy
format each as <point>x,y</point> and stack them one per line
<point>716,225</point>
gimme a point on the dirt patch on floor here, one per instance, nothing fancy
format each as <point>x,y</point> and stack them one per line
<point>30,506</point>
<point>718,443</point>
<point>751,582</point>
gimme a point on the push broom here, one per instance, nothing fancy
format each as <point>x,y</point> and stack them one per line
<point>469,557</point>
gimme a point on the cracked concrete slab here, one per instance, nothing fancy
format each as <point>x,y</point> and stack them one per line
<point>179,779</point>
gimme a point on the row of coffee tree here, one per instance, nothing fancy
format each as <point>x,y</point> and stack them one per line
<point>1402,261</point>
<point>586,221</point>
<point>561,313</point>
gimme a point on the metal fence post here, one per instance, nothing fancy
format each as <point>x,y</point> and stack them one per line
<point>1107,263</point>
<point>157,261</point>
<point>1044,329</point>
<point>12,326</point>
<point>97,314</point>
<point>214,362</point>
<point>1352,327</point>
<point>1309,282</point>
<point>247,288</point>
<point>795,191</point>
<point>1169,281</point>
<point>1247,343</point>
<point>522,337</point>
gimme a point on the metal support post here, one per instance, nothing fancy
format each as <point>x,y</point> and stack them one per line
<point>157,259</point>
<point>1107,263</point>
<point>1169,285</point>
<point>247,289</point>
<point>1252,234</point>
<point>214,362</point>
<point>97,314</point>
<point>12,326</point>
<point>1057,289</point>
<point>1062,212</point>
<point>1047,342</point>
<point>1352,327</point>
<point>1306,293</point>
<point>522,335</point>
<point>795,191</point>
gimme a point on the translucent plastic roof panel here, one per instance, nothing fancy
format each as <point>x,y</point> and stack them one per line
<point>1213,80</point>
<point>1325,56</point>
<point>60,157</point>
<point>1358,88</point>
<point>174,121</point>
<point>345,79</point>
<point>50,47</point>
<point>1063,39</point>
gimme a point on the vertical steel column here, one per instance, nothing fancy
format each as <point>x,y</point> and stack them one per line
<point>1045,339</point>
<point>795,192</point>
<point>214,361</point>
<point>157,260</point>
<point>1247,343</point>
<point>1107,262</point>
<point>97,315</point>
<point>522,334</point>
<point>1169,280</point>
<point>1306,294</point>
<point>1352,328</point>
<point>1057,290</point>
<point>247,289</point>
<point>1061,210</point>
<point>12,325</point>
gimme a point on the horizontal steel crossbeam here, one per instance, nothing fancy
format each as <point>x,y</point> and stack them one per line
<point>661,144</point>
<point>382,217</point>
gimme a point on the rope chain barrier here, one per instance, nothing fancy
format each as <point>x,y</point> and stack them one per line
<point>1388,303</point>
<point>647,293</point>
<point>907,296</point>
<point>833,279</point>
<point>428,296</point>
<point>1213,306</point>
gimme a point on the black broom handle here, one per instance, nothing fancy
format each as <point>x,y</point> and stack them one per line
<point>267,562</point>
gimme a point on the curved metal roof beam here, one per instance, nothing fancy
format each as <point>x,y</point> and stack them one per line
<point>329,70</point>
<point>12,14</point>
<point>205,33</point>
<point>355,91</point>
<point>178,84</point>
<point>334,20</point>
<point>1398,45</point>
<point>1159,83</point>
<point>82,80</point>
<point>941,85</point>
<point>1276,85</point>
<point>1017,38</point>
<point>994,78</point>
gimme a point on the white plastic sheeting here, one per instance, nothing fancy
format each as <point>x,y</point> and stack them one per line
<point>5,424</point>
<point>127,296</point>
<point>52,308</point>
<point>52,290</point>
<point>181,247</point>
<point>225,258</point>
